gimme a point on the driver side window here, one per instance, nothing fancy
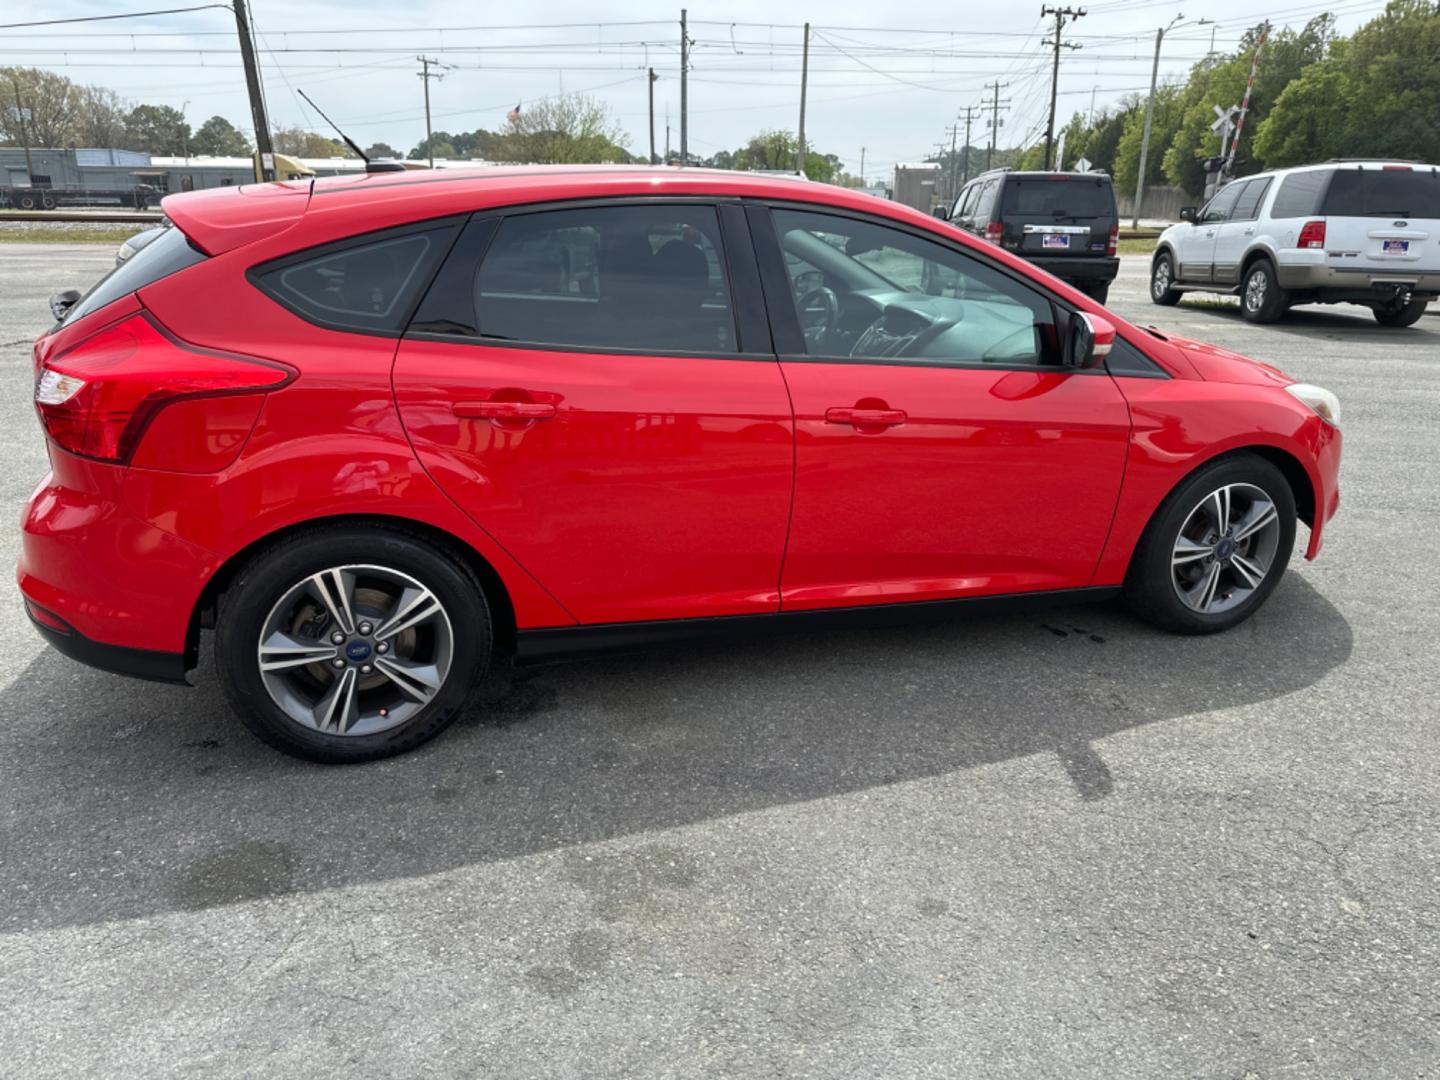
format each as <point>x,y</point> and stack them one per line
<point>1219,208</point>
<point>865,291</point>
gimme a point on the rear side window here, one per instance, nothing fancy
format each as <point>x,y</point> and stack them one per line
<point>1299,194</point>
<point>1060,198</point>
<point>986,203</point>
<point>1247,207</point>
<point>168,253</point>
<point>644,279</point>
<point>366,284</point>
<point>1405,193</point>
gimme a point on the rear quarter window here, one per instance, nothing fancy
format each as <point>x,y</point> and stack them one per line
<point>167,254</point>
<point>369,284</point>
<point>1299,194</point>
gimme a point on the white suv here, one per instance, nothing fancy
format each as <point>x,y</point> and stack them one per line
<point>1358,232</point>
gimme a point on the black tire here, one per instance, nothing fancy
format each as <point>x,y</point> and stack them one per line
<point>1406,315</point>
<point>27,202</point>
<point>1162,273</point>
<point>1151,591</point>
<point>248,603</point>
<point>1261,298</point>
<point>1099,293</point>
<point>47,202</point>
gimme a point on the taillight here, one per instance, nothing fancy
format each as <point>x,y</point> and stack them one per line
<point>98,398</point>
<point>992,232</point>
<point>1112,245</point>
<point>1312,234</point>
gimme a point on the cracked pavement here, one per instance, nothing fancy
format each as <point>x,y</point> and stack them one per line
<point>1059,845</point>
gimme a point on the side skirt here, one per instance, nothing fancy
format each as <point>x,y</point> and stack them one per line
<point>564,642</point>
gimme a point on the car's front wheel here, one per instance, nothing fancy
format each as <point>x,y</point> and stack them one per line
<point>1400,314</point>
<point>1216,548</point>
<point>351,644</point>
<point>1162,279</point>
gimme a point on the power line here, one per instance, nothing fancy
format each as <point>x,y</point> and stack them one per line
<point>110,18</point>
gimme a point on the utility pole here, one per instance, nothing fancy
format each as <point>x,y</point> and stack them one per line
<point>652,79</point>
<point>425,76</point>
<point>862,166</point>
<point>24,138</point>
<point>1149,114</point>
<point>1061,15</point>
<point>263,146</point>
<point>804,78</point>
<point>970,111</point>
<point>684,90</point>
<point>995,104</point>
<point>952,185</point>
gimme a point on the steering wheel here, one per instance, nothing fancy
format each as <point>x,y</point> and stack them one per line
<point>819,311</point>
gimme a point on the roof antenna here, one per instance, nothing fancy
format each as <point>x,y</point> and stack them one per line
<point>370,167</point>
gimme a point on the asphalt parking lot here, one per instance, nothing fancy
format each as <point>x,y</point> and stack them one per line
<point>1058,845</point>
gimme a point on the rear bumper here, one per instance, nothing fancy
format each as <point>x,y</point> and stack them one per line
<point>1327,275</point>
<point>1091,270</point>
<point>119,659</point>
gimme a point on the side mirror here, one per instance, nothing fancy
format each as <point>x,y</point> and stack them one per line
<point>1090,340</point>
<point>942,212</point>
<point>62,302</point>
<point>1189,213</point>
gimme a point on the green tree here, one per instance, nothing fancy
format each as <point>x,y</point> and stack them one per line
<point>1169,109</point>
<point>156,129</point>
<point>300,143</point>
<point>381,150</point>
<point>217,137</point>
<point>52,102</point>
<point>1374,94</point>
<point>568,129</point>
<point>99,118</point>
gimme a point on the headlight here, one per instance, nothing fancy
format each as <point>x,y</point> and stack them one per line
<point>1326,404</point>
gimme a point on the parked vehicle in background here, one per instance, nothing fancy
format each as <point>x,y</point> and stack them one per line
<point>136,242</point>
<point>1063,222</point>
<point>374,430</point>
<point>1357,232</point>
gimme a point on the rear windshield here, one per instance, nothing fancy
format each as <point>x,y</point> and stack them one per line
<point>1073,197</point>
<point>1408,193</point>
<point>169,252</point>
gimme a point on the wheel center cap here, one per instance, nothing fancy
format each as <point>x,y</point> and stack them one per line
<point>358,650</point>
<point>1224,549</point>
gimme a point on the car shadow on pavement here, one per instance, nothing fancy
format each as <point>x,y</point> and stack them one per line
<point>128,799</point>
<point>1347,323</point>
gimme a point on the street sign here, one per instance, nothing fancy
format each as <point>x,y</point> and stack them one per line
<point>1084,165</point>
<point>1224,120</point>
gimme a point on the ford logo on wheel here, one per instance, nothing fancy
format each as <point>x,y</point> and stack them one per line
<point>358,650</point>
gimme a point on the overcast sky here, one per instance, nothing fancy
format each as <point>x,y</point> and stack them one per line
<point>889,77</point>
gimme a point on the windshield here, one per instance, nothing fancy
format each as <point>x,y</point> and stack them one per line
<point>163,256</point>
<point>1072,197</point>
<point>1413,193</point>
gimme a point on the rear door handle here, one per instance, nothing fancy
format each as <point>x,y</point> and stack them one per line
<point>866,417</point>
<point>504,410</point>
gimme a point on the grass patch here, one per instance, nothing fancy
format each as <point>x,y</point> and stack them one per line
<point>43,234</point>
<point>1140,245</point>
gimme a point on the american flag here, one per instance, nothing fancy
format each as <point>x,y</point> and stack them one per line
<point>513,114</point>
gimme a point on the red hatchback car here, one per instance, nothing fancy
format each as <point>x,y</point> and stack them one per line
<point>373,429</point>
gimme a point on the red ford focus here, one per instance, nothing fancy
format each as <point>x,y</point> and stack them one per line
<point>374,429</point>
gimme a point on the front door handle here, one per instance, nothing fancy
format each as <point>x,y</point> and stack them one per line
<point>504,410</point>
<point>866,417</point>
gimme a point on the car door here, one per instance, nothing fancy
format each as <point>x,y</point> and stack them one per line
<point>596,388</point>
<point>941,451</point>
<point>1197,246</point>
<point>1235,235</point>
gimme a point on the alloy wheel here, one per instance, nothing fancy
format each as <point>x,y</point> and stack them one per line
<point>1225,548</point>
<point>355,650</point>
<point>1255,286</point>
<point>1160,280</point>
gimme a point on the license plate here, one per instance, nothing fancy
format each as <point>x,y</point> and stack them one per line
<point>1055,240</point>
<point>1395,247</point>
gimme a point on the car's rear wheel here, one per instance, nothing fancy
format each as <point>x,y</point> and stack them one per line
<point>1099,293</point>
<point>1261,298</point>
<point>1162,280</point>
<point>1400,314</point>
<point>1215,549</point>
<point>351,644</point>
